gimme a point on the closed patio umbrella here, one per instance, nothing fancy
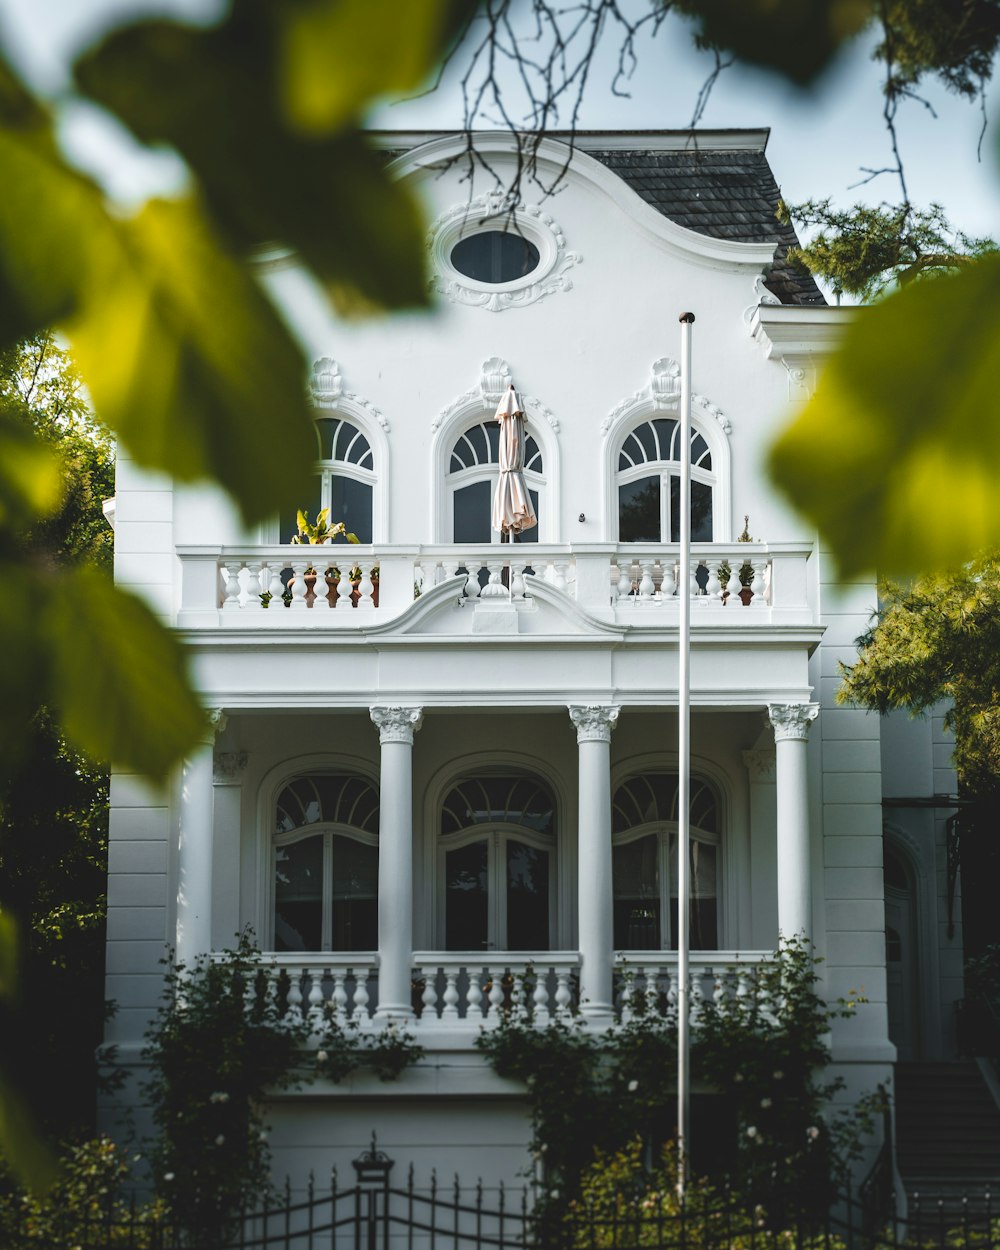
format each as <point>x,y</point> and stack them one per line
<point>512,510</point>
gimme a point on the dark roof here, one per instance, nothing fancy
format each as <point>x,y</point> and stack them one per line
<point>729,194</point>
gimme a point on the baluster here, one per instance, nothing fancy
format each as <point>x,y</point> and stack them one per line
<point>761,567</point>
<point>646,586</point>
<point>720,991</point>
<point>694,590</point>
<point>450,1009</point>
<point>564,995</point>
<point>298,585</point>
<point>419,578</point>
<point>627,1013</point>
<point>293,1003</point>
<point>315,999</point>
<point>494,588</point>
<point>344,587</point>
<point>672,988</point>
<point>697,995</point>
<point>451,568</point>
<point>652,990</point>
<point>624,578</point>
<point>472,567</point>
<point>271,993</point>
<point>668,586</point>
<point>744,989</point>
<point>339,995</point>
<point>361,995</point>
<point>474,996</point>
<point>516,581</point>
<point>365,587</point>
<point>518,1011</point>
<point>232,576</point>
<point>559,575</point>
<point>429,996</point>
<point>541,1001</point>
<point>322,587</point>
<point>256,581</point>
<point>250,994</point>
<point>713,587</point>
<point>495,996</point>
<point>275,586</point>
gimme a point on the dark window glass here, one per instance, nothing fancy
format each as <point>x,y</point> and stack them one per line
<point>355,895</point>
<point>472,508</point>
<point>351,502</point>
<point>466,901</point>
<point>298,896</point>
<point>527,897</point>
<point>701,511</point>
<point>636,876</point>
<point>639,511</point>
<point>311,504</point>
<point>494,256</point>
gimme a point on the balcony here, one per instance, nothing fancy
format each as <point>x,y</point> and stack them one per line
<point>463,991</point>
<point>266,587</point>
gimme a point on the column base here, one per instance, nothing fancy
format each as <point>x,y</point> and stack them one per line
<point>597,1015</point>
<point>393,1013</point>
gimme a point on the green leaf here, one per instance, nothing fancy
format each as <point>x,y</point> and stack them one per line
<point>8,955</point>
<point>798,40</point>
<point>895,458</point>
<point>118,676</point>
<point>211,95</point>
<point>190,364</point>
<point>20,1145</point>
<point>337,55</point>
<point>30,481</point>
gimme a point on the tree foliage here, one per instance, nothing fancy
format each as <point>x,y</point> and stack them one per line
<point>938,638</point>
<point>869,248</point>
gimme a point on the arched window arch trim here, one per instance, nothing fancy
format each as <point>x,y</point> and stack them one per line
<point>269,790</point>
<point>705,420</point>
<point>461,415</point>
<point>505,763</point>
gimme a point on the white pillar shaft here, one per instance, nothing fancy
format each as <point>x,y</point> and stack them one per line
<point>395,880</point>
<point>194,860</point>
<point>595,899</point>
<point>794,887</point>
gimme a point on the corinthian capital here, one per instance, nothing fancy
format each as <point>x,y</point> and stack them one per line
<point>593,722</point>
<point>397,724</point>
<point>792,720</point>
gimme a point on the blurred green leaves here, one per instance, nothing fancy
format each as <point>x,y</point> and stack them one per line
<point>894,459</point>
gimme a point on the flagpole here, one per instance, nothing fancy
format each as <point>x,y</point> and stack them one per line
<point>684,765</point>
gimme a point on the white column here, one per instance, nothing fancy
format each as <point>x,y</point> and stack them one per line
<point>194,848</point>
<point>593,734</point>
<point>791,731</point>
<point>396,727</point>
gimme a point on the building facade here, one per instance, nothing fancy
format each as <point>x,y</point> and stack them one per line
<point>443,760</point>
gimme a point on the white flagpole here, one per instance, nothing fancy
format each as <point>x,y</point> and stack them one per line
<point>684,765</point>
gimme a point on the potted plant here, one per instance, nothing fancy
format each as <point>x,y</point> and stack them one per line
<point>315,533</point>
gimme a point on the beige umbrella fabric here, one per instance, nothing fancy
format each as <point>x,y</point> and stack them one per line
<point>512,510</point>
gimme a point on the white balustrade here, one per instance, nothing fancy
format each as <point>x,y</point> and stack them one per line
<point>268,585</point>
<point>481,989</point>
<point>647,983</point>
<point>316,985</point>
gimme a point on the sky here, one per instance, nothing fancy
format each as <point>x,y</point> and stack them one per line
<point>820,139</point>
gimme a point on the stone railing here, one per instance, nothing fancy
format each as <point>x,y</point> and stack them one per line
<point>455,989</point>
<point>355,585</point>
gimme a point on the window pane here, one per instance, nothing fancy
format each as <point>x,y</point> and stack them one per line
<point>351,502</point>
<point>527,897</point>
<point>701,511</point>
<point>466,904</point>
<point>494,256</point>
<point>311,501</point>
<point>703,928</point>
<point>472,513</point>
<point>636,877</point>
<point>298,896</point>
<point>639,511</point>
<point>355,895</point>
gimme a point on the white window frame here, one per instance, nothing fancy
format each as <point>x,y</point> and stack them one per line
<point>488,471</point>
<point>666,470</point>
<point>327,831</point>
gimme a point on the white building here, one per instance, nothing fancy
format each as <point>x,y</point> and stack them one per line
<point>411,796</point>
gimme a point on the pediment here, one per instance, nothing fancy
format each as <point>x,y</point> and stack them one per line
<point>444,611</point>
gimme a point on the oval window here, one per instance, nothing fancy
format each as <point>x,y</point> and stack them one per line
<point>495,256</point>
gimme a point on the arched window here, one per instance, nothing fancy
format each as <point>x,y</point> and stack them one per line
<point>326,864</point>
<point>497,863</point>
<point>644,858</point>
<point>344,482</point>
<point>648,480</point>
<point>473,468</point>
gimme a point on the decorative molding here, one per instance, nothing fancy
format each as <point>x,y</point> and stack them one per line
<point>760,765</point>
<point>761,296</point>
<point>326,386</point>
<point>548,277</point>
<point>593,721</point>
<point>228,765</point>
<point>792,720</point>
<point>800,374</point>
<point>397,724</point>
<point>662,394</point>
<point>494,379</point>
